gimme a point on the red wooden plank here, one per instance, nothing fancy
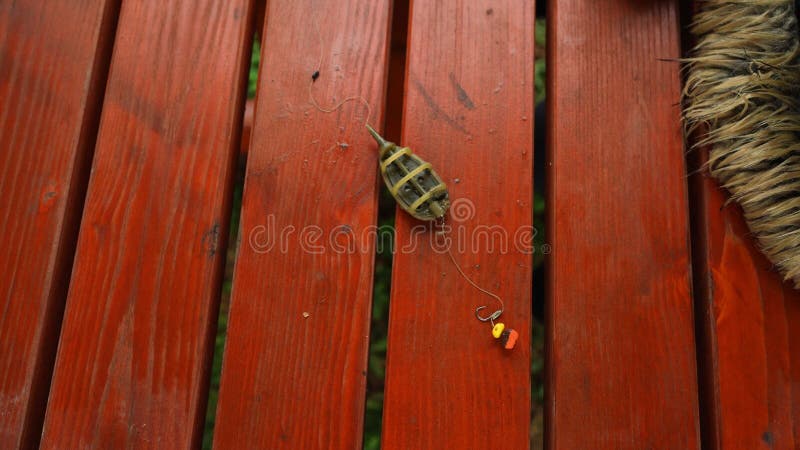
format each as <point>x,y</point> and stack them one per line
<point>748,321</point>
<point>53,62</point>
<point>793,317</point>
<point>622,371</point>
<point>136,343</point>
<point>295,359</point>
<point>469,111</point>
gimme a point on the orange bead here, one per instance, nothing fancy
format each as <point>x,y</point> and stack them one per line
<point>509,338</point>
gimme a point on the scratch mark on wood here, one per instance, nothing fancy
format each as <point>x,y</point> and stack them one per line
<point>462,94</point>
<point>437,111</point>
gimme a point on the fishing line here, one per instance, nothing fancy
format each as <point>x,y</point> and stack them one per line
<point>316,74</point>
<point>495,314</point>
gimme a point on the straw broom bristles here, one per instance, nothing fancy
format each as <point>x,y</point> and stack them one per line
<point>742,93</point>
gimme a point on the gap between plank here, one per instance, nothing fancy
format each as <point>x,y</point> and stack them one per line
<point>219,332</point>
<point>68,240</point>
<point>384,248</point>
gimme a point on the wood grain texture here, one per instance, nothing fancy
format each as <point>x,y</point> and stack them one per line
<point>53,62</point>
<point>294,370</point>
<point>468,111</point>
<point>793,318</point>
<point>621,369</point>
<point>749,322</point>
<point>132,365</point>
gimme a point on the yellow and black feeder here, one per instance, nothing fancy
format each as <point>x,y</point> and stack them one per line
<point>413,183</point>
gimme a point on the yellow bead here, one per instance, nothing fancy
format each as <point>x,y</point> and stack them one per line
<point>498,330</point>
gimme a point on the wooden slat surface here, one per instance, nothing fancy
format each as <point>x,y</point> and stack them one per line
<point>469,111</point>
<point>294,370</point>
<point>132,365</point>
<point>53,61</point>
<point>793,317</point>
<point>622,371</point>
<point>750,328</point>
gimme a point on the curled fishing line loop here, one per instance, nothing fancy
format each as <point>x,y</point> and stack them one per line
<point>340,104</point>
<point>314,78</point>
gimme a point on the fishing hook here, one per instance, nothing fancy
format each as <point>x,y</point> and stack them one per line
<point>490,318</point>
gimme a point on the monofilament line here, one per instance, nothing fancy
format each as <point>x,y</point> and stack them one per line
<point>317,72</point>
<point>469,280</point>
